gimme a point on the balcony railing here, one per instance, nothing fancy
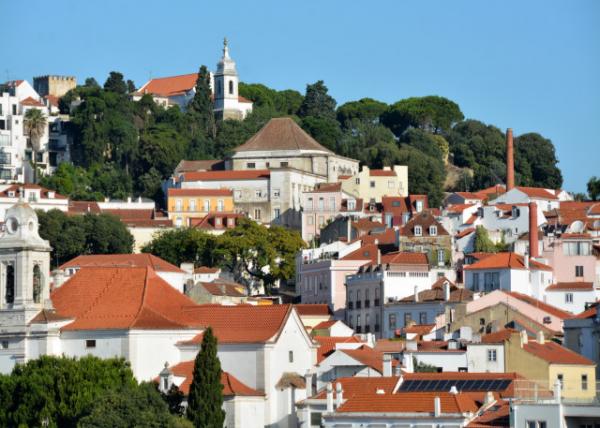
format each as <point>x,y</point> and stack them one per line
<point>572,391</point>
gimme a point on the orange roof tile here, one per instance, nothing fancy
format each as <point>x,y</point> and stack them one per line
<point>308,309</point>
<point>231,385</point>
<point>424,219</point>
<point>169,86</point>
<point>594,209</point>
<point>382,173</point>
<point>352,386</point>
<point>537,192</point>
<point>221,288</point>
<point>553,353</point>
<point>506,260</point>
<point>498,336</point>
<point>29,101</point>
<point>199,192</point>
<point>16,188</point>
<point>552,310</point>
<point>458,208</point>
<point>326,188</point>
<point>366,252</point>
<point>419,329</point>
<point>325,324</point>
<point>327,344</point>
<point>122,260</point>
<point>591,312</point>
<point>572,286</point>
<point>465,232</point>
<point>206,269</point>
<point>366,224</point>
<point>405,258</point>
<point>369,357</point>
<point>409,402</point>
<point>389,345</point>
<point>248,174</point>
<point>103,298</point>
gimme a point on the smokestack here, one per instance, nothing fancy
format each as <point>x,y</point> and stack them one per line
<point>510,161</point>
<point>533,231</point>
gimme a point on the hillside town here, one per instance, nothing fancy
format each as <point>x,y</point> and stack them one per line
<point>477,310</point>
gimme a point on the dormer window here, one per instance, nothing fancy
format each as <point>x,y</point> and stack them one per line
<point>11,194</point>
<point>418,231</point>
<point>419,206</point>
<point>515,212</point>
<point>351,205</point>
<point>433,230</point>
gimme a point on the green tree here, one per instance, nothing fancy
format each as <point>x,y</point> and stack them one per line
<point>138,406</point>
<point>115,83</point>
<point>200,110</point>
<point>184,245</point>
<point>130,86</point>
<point>362,141</point>
<point>59,390</point>
<point>106,234</point>
<point>323,129</point>
<point>483,243</point>
<point>317,102</point>
<point>593,188</point>
<point>363,110</point>
<point>35,124</point>
<point>432,113</point>
<point>205,399</point>
<point>90,82</point>
<point>536,155</point>
<point>72,181</point>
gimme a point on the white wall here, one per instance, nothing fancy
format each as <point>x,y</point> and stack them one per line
<point>477,357</point>
<point>580,298</point>
<point>448,361</point>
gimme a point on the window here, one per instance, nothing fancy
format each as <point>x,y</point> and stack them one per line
<point>418,231</point>
<point>351,205</point>
<point>419,206</point>
<point>90,343</point>
<point>560,378</point>
<point>579,271</point>
<point>5,158</point>
<point>568,297</point>
<point>277,193</point>
<point>178,205</point>
<point>251,165</point>
<point>392,321</point>
<point>5,344</point>
<point>357,181</point>
<point>220,205</point>
<point>407,319</point>
<point>310,220</point>
<point>231,87</point>
<point>276,212</point>
<point>358,324</point>
<point>9,284</point>
<point>207,205</point>
<point>237,194</point>
<point>257,214</point>
<point>321,204</point>
<point>441,256</point>
<point>192,205</point>
<point>309,205</point>
<point>258,193</point>
<point>331,204</point>
<point>536,424</point>
<point>372,184</point>
<point>491,281</point>
<point>218,221</point>
<point>321,220</point>
<point>284,164</point>
<point>491,355</point>
<point>14,109</point>
<point>422,317</point>
<point>433,230</point>
<point>577,248</point>
<point>37,284</point>
<point>475,281</point>
<point>291,356</point>
<point>315,419</point>
<point>391,184</point>
<point>481,321</point>
<point>584,382</point>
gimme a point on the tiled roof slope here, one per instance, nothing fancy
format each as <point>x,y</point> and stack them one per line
<point>554,353</point>
<point>506,260</point>
<point>369,357</point>
<point>281,134</point>
<point>409,402</point>
<point>304,309</point>
<point>120,298</point>
<point>122,260</point>
<point>327,344</point>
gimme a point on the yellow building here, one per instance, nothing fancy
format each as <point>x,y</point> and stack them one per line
<point>545,361</point>
<point>184,204</point>
<point>373,184</point>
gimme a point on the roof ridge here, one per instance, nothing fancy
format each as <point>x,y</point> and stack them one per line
<point>143,300</point>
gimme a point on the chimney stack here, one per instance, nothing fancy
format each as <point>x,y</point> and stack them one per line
<point>339,395</point>
<point>510,162</point>
<point>329,397</point>
<point>446,291</point>
<point>540,337</point>
<point>437,407</point>
<point>387,365</point>
<point>533,231</point>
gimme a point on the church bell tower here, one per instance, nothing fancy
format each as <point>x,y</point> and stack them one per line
<point>226,87</point>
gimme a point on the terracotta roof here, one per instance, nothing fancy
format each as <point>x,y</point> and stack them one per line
<point>389,346</point>
<point>368,356</point>
<point>325,324</point>
<point>594,209</point>
<point>419,329</point>
<point>199,192</point>
<point>101,298</point>
<point>30,101</point>
<point>506,260</point>
<point>437,295</point>
<point>572,286</point>
<point>199,165</point>
<point>423,219</point>
<point>552,310</point>
<point>469,195</point>
<point>122,260</point>
<point>170,86</point>
<point>465,232</point>
<point>499,336</point>
<point>492,190</point>
<point>209,221</point>
<point>239,323</point>
<point>429,346</point>
<point>281,134</point>
<point>472,219</point>
<point>365,252</point>
<point>16,188</point>
<point>576,236</point>
<point>537,192</point>
<point>132,214</point>
<point>308,309</point>
<point>439,283</point>
<point>206,269</point>
<point>231,385</point>
<point>52,100</point>
<point>409,402</point>
<point>388,236</point>
<point>220,288</point>
<point>405,258</point>
<point>458,208</point>
<point>382,173</point>
<point>352,386</point>
<point>327,344</point>
<point>247,174</point>
<point>495,416</point>
<point>326,187</point>
<point>366,224</point>
<point>591,312</point>
<point>553,353</point>
<point>84,207</point>
<point>344,177</point>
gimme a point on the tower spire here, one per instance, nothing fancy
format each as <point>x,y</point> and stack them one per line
<point>225,48</point>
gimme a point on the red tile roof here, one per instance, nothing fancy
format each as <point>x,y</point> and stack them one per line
<point>553,353</point>
<point>425,220</point>
<point>594,209</point>
<point>220,288</point>
<point>364,224</point>
<point>199,192</point>
<point>326,188</point>
<point>458,208</point>
<point>169,86</point>
<point>199,165</point>
<point>588,313</point>
<point>231,385</point>
<point>325,324</point>
<point>121,298</point>
<point>506,260</point>
<point>29,101</point>
<point>499,336</point>
<point>572,286</point>
<point>419,329</point>
<point>389,345</point>
<point>352,386</point>
<point>209,221</point>
<point>552,310</point>
<point>409,402</point>
<point>327,344</point>
<point>240,323</point>
<point>16,188</point>
<point>281,133</point>
<point>248,174</point>
<point>84,207</point>
<point>369,357</point>
<point>308,309</point>
<point>382,173</point>
<point>206,269</point>
<point>52,100</point>
<point>365,252</point>
<point>122,260</point>
<point>405,258</point>
<point>537,192</point>
<point>465,232</point>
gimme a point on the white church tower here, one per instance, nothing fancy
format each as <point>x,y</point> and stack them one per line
<point>228,103</point>
<point>24,285</point>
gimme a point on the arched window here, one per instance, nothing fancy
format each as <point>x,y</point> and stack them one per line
<point>37,284</point>
<point>231,87</point>
<point>9,285</point>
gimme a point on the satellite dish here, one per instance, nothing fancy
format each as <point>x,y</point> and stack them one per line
<point>576,227</point>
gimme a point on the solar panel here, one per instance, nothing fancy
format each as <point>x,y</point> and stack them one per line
<point>429,385</point>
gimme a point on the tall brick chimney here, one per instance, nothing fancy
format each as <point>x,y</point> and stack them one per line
<point>510,161</point>
<point>533,230</point>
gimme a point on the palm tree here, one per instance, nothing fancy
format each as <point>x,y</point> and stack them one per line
<point>35,126</point>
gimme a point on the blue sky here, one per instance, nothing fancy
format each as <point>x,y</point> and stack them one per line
<point>530,65</point>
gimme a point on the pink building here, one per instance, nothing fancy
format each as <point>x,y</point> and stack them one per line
<point>320,206</point>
